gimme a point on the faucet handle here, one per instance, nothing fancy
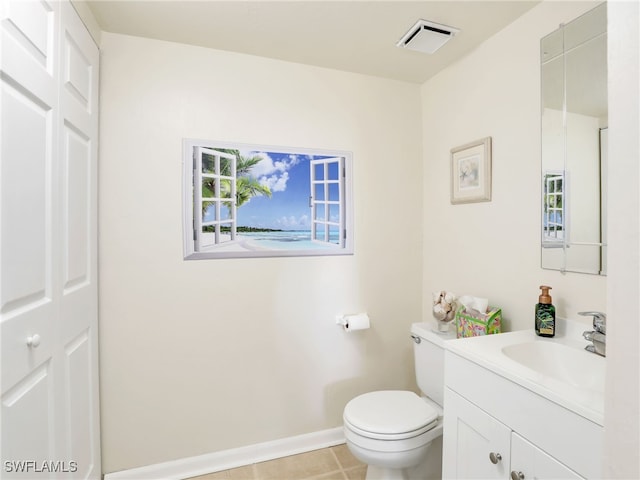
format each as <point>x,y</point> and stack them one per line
<point>599,321</point>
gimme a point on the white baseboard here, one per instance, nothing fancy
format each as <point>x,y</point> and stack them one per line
<point>235,457</point>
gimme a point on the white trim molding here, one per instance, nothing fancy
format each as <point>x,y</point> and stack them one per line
<point>233,458</point>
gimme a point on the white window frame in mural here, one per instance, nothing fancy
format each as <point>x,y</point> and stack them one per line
<point>242,200</point>
<point>554,199</point>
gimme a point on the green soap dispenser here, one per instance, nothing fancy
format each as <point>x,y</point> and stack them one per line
<point>545,314</point>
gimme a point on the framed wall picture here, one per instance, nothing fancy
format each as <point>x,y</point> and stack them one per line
<point>246,200</point>
<point>471,172</point>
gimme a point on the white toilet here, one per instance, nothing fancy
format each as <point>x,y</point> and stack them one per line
<point>395,432</point>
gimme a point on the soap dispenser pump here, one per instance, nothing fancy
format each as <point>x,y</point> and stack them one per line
<point>545,314</point>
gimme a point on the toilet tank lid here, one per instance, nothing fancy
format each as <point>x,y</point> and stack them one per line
<point>428,331</point>
<point>389,412</point>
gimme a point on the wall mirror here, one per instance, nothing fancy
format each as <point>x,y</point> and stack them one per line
<point>574,130</point>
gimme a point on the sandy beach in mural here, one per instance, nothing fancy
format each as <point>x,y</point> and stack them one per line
<point>266,241</point>
<point>240,244</point>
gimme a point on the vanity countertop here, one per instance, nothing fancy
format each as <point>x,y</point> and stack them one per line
<point>557,368</point>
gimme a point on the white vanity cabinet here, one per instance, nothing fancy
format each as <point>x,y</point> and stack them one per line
<point>495,428</point>
<point>526,457</point>
<point>475,445</point>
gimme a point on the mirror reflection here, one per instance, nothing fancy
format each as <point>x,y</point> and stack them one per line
<point>574,144</point>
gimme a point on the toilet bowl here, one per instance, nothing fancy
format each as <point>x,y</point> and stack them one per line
<point>397,433</point>
<point>391,431</point>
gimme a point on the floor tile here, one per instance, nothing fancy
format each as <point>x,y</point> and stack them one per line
<point>240,473</point>
<point>356,473</point>
<point>337,475</point>
<point>345,457</point>
<point>298,467</point>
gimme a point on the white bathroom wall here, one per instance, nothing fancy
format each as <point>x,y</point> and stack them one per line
<point>492,249</point>
<point>622,399</point>
<point>202,356</point>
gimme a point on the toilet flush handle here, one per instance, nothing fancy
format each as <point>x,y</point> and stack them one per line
<point>416,338</point>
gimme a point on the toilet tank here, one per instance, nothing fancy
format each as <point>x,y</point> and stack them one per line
<point>428,355</point>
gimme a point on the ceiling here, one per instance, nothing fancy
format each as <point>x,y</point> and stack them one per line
<point>351,35</point>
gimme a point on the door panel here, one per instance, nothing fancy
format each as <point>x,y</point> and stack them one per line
<point>78,318</point>
<point>31,25</point>
<point>27,418</point>
<point>48,238</point>
<point>28,151</point>
<point>78,72</point>
<point>26,166</point>
<point>534,463</point>
<point>82,427</point>
<point>29,29</point>
<point>77,201</point>
<point>25,215</point>
<point>18,358</point>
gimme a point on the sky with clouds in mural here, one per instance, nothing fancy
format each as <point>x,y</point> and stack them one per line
<point>287,175</point>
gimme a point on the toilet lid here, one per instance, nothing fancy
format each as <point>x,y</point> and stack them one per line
<point>389,412</point>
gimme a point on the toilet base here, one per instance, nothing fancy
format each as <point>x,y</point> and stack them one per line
<point>430,468</point>
<point>381,473</point>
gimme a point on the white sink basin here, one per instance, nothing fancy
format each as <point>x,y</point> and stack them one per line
<point>574,366</point>
<point>557,368</point>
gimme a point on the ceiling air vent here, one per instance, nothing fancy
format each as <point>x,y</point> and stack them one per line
<point>427,37</point>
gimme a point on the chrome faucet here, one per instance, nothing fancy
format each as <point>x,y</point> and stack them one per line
<point>598,336</point>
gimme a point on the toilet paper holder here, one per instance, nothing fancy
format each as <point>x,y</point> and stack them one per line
<point>358,321</point>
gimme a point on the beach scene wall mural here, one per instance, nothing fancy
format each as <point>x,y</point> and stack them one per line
<point>251,201</point>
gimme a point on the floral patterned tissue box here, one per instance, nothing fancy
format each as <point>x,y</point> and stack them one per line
<point>470,324</point>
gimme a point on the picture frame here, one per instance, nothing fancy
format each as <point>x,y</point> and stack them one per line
<point>471,172</point>
<point>250,200</point>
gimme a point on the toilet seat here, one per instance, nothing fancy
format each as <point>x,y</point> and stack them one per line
<point>389,415</point>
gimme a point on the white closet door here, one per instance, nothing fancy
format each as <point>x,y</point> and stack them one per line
<point>48,282</point>
<point>78,294</point>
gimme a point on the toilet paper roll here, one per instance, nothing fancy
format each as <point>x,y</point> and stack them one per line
<point>356,322</point>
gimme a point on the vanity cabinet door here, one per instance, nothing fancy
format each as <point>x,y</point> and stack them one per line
<point>529,462</point>
<point>475,445</point>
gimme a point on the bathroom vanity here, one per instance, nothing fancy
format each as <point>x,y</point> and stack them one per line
<point>522,407</point>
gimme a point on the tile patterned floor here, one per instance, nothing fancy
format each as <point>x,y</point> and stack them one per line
<point>334,463</point>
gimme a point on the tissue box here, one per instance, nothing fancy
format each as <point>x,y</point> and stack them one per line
<point>472,325</point>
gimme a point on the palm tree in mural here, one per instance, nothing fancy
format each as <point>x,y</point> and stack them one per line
<point>247,186</point>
